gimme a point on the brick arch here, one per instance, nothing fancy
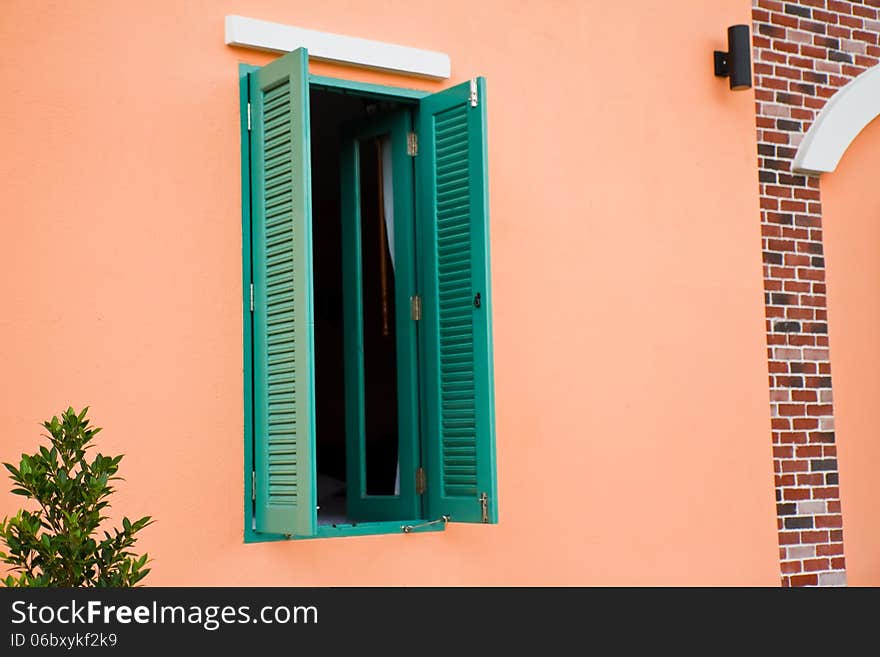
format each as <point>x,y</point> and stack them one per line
<point>844,116</point>
<point>804,52</point>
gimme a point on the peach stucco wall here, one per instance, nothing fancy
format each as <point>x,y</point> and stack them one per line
<point>851,216</point>
<point>632,408</point>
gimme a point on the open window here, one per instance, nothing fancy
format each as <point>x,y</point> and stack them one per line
<point>368,357</point>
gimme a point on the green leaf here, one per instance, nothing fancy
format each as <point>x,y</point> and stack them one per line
<point>56,545</point>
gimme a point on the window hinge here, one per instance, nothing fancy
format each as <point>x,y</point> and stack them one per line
<point>473,97</point>
<point>249,117</point>
<point>412,144</point>
<point>421,481</point>
<point>254,485</point>
<point>252,297</point>
<point>415,307</point>
<point>484,507</point>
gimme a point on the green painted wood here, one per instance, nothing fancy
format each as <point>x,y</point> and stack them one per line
<point>360,506</point>
<point>366,89</point>
<point>383,527</point>
<point>283,345</point>
<point>352,312</point>
<point>250,535</point>
<point>453,221</point>
<point>355,529</point>
<point>247,278</point>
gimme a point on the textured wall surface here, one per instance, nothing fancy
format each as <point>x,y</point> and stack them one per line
<point>632,420</point>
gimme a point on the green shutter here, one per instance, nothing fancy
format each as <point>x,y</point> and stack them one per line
<point>457,334</point>
<point>284,425</point>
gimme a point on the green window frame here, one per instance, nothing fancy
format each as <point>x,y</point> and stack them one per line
<point>405,504</point>
<point>455,400</point>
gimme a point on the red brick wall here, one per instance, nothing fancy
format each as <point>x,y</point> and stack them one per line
<point>804,51</point>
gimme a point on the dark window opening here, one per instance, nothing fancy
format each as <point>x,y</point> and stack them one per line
<point>380,336</point>
<point>330,112</point>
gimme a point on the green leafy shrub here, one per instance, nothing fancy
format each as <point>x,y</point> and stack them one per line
<point>59,545</point>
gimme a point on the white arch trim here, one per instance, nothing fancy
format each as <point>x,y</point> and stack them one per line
<point>844,116</point>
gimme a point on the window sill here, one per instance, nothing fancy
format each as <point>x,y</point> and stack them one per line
<point>357,529</point>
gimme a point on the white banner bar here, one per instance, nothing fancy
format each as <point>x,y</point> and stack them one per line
<point>264,35</point>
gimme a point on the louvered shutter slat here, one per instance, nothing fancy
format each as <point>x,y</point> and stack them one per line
<point>453,215</point>
<point>284,432</point>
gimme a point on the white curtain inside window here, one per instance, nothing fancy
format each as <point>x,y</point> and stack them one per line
<point>388,194</point>
<point>388,212</point>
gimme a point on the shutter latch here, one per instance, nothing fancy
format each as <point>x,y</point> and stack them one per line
<point>410,528</point>
<point>412,144</point>
<point>421,481</point>
<point>473,96</point>
<point>415,307</point>
<point>249,116</point>
<point>484,507</point>
<point>252,297</point>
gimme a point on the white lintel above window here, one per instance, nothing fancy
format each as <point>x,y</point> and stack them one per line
<point>264,35</point>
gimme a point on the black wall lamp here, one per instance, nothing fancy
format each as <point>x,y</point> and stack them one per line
<point>736,63</point>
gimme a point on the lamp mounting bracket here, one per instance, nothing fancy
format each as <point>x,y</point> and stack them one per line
<point>722,70</point>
